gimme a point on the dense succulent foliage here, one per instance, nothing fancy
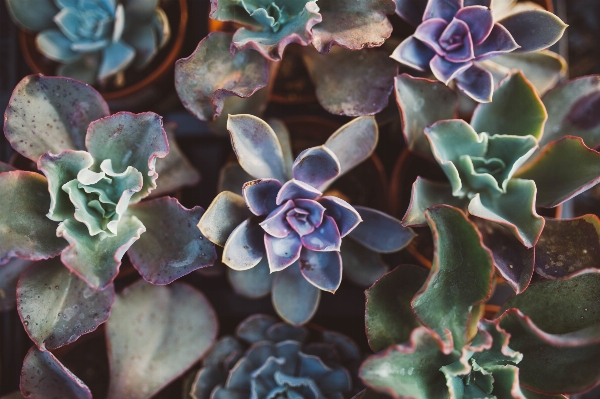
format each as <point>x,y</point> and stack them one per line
<point>94,40</point>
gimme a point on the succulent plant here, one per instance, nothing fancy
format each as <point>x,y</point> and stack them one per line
<point>283,224</point>
<point>266,358</point>
<point>455,38</point>
<point>94,40</point>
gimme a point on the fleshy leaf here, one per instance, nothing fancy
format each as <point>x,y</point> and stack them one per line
<point>260,195</point>
<point>567,246</point>
<point>150,325</point>
<point>43,376</point>
<point>38,120</point>
<point>476,83</point>
<point>256,147</point>
<point>211,74</point>
<point>381,232</point>
<point>26,231</point>
<point>564,168</point>
<point>461,275</point>
<point>245,246</point>
<point>411,10</point>
<point>9,276</point>
<point>20,13</point>
<point>321,269</point>
<point>352,25</point>
<point>130,140</point>
<point>362,266</point>
<point>534,30</point>
<point>295,299</point>
<point>389,318</point>
<point>223,215</point>
<point>515,97</point>
<point>232,177</point>
<point>413,53</point>
<point>57,307</point>
<point>172,245</point>
<point>316,166</point>
<point>252,283</point>
<point>351,83</point>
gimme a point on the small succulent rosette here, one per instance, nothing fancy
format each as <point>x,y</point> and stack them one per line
<point>282,233</point>
<point>459,40</point>
<point>270,359</point>
<point>433,343</point>
<point>94,40</point>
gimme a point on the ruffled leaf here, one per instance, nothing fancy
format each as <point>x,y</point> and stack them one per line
<point>424,195</point>
<point>362,266</point>
<point>381,232</point>
<point>534,30</point>
<point>295,299</point>
<point>223,215</point>
<point>172,326</point>
<point>9,277</point>
<point>252,283</point>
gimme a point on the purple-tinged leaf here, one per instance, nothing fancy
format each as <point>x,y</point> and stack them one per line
<point>425,194</point>
<point>233,105</point>
<point>513,260</point>
<point>56,307</point>
<point>352,25</point>
<point>26,231</point>
<point>562,170</point>
<point>9,277</point>
<point>283,136</point>
<point>43,376</point>
<point>154,334</point>
<point>389,318</point>
<point>51,114</point>
<point>497,42</point>
<point>483,3</point>
<point>316,166</point>
<point>567,246</point>
<point>321,269</point>
<point>455,51</point>
<point>413,53</point>
<point>430,32</point>
<point>326,237</point>
<point>232,177</point>
<point>254,328</point>
<point>480,21</point>
<point>362,266</point>
<point>260,195</point>
<point>445,9</point>
<point>282,252</point>
<point>295,300</point>
<point>275,223</point>
<point>211,74</point>
<point>295,189</point>
<point>223,215</point>
<point>345,216</point>
<point>244,247</point>
<point>252,283</point>
<point>172,245</point>
<point>445,70</point>
<point>411,10</point>
<point>315,210</point>
<point>534,30</point>
<point>476,83</point>
<point>351,83</point>
<point>380,232</point>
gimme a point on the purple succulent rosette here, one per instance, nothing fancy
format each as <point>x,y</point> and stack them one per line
<point>283,228</point>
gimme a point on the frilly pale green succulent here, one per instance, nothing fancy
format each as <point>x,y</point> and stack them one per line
<point>94,40</point>
<point>266,358</point>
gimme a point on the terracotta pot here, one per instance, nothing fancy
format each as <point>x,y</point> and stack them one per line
<point>144,87</point>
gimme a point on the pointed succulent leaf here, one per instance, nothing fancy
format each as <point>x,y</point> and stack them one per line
<point>172,245</point>
<point>412,369</point>
<point>115,58</point>
<point>351,83</point>
<point>295,299</point>
<point>38,119</point>
<point>43,376</point>
<point>143,40</point>
<point>515,97</point>
<point>256,147</point>
<point>9,277</point>
<point>57,307</point>
<point>322,269</point>
<point>26,231</point>
<point>130,140</point>
<point>425,194</point>
<point>53,44</point>
<point>413,53</point>
<point>93,259</point>
<point>567,246</point>
<point>252,283</point>
<point>362,266</point>
<point>476,83</point>
<point>534,30</point>
<point>260,195</point>
<point>316,166</point>
<point>223,215</point>
<point>571,111</point>
<point>555,324</point>
<point>211,74</point>
<point>352,25</point>
<point>564,168</point>
<point>172,326</point>
<point>381,232</point>
<point>20,12</point>
<point>389,318</point>
<point>245,247</point>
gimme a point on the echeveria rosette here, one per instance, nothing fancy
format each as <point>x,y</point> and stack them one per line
<point>282,223</point>
<point>266,358</point>
<point>94,40</point>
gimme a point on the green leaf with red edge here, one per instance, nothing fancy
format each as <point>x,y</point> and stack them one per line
<point>564,168</point>
<point>461,275</point>
<point>389,318</point>
<point>555,324</point>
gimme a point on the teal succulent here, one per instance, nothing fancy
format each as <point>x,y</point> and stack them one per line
<point>94,40</point>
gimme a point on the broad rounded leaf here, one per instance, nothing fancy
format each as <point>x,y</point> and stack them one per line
<point>252,283</point>
<point>232,177</point>
<point>295,299</point>
<point>26,232</point>
<point>389,318</point>
<point>321,269</point>
<point>57,307</point>
<point>362,266</point>
<point>154,335</point>
<point>51,114</point>
<point>316,166</point>
<point>9,277</point>
<point>245,246</point>
<point>172,245</point>
<point>425,194</point>
<point>381,232</point>
<point>534,30</point>
<point>211,74</point>
<point>20,12</point>
<point>476,83</point>
<point>223,215</point>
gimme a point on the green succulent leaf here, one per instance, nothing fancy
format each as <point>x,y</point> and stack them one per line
<point>51,114</point>
<point>534,30</point>
<point>389,318</point>
<point>9,277</point>
<point>223,215</point>
<point>295,299</point>
<point>25,230</point>
<point>425,194</point>
<point>172,326</point>
<point>362,266</point>
<point>460,278</point>
<point>20,12</point>
<point>515,110</point>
